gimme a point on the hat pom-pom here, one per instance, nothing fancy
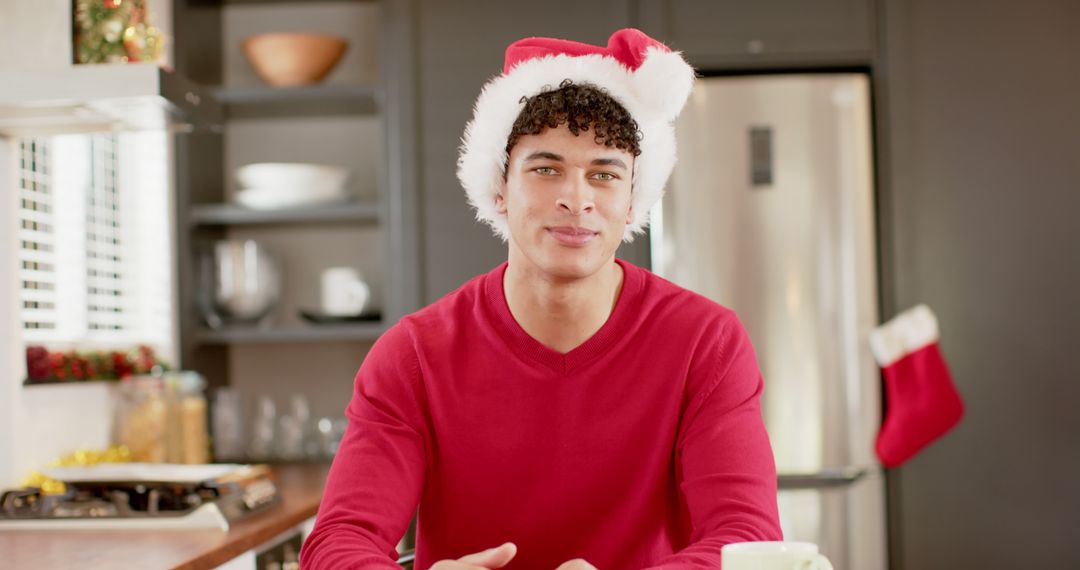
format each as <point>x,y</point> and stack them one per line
<point>664,82</point>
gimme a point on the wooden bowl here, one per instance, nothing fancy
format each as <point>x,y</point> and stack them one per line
<point>289,59</point>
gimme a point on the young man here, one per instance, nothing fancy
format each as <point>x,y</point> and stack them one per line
<point>566,409</point>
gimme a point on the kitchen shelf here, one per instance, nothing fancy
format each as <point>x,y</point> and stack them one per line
<point>104,97</point>
<point>257,2</point>
<point>259,101</point>
<point>293,333</point>
<point>233,215</point>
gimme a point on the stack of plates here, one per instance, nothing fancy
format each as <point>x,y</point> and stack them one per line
<point>275,185</point>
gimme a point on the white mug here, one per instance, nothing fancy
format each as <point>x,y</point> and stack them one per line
<point>773,555</point>
<point>343,291</point>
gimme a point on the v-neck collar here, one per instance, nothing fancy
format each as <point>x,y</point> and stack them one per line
<point>612,330</point>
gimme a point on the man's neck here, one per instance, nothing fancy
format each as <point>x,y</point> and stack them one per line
<point>557,313</point>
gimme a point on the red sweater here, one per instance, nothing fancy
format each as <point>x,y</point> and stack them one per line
<point>643,447</point>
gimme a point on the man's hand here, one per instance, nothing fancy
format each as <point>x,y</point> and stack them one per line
<point>576,564</point>
<point>489,559</point>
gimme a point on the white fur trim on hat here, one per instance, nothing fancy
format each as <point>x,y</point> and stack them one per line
<point>653,95</point>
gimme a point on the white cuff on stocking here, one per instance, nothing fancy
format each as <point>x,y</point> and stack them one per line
<point>906,333</point>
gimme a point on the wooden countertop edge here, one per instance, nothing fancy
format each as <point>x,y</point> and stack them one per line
<point>295,508</point>
<point>235,547</point>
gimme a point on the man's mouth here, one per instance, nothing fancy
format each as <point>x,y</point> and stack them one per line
<point>572,236</point>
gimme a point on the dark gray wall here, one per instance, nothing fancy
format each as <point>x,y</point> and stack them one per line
<point>982,196</point>
<point>735,34</point>
<point>461,46</point>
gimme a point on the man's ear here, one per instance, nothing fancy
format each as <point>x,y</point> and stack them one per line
<point>630,214</point>
<point>500,198</point>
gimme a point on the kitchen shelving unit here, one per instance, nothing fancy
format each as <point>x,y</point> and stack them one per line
<point>362,331</point>
<point>203,214</point>
<point>316,100</point>
<point>230,214</point>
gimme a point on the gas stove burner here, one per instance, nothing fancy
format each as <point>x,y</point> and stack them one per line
<point>219,500</point>
<point>90,508</point>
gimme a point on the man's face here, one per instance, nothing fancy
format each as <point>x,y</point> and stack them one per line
<point>567,201</point>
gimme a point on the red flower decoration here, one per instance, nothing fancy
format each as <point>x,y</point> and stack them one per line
<point>45,366</point>
<point>37,363</point>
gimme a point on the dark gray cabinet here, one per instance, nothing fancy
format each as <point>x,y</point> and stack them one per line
<point>763,33</point>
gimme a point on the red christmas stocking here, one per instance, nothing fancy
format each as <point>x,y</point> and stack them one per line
<point>921,401</point>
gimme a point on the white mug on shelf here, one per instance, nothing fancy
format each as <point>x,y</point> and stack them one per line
<point>773,555</point>
<point>344,292</point>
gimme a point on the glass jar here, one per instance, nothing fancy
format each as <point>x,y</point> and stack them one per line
<point>228,426</point>
<point>263,430</point>
<point>141,420</point>
<point>189,440</point>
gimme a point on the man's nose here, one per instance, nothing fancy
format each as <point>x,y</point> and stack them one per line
<point>576,197</point>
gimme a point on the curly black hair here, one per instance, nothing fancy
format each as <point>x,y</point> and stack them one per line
<point>580,107</point>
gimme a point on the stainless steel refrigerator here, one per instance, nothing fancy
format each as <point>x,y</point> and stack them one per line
<point>770,211</point>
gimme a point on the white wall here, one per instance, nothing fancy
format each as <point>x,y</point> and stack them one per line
<point>11,363</point>
<point>56,419</point>
<point>35,34</point>
<point>38,33</point>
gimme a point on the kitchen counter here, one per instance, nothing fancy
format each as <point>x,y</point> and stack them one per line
<point>301,488</point>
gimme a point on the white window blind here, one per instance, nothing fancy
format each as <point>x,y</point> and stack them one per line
<point>106,297</point>
<point>37,251</point>
<point>94,241</point>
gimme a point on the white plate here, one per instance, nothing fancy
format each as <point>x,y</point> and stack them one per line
<point>160,472</point>
<point>272,199</point>
<point>293,176</point>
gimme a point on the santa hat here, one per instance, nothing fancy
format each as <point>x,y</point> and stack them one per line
<point>643,75</point>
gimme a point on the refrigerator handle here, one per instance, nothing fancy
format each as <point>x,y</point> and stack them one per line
<point>832,477</point>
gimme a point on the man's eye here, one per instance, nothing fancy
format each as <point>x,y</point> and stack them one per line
<point>605,176</point>
<point>545,170</point>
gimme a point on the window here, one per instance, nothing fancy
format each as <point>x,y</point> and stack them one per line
<point>37,255</point>
<point>94,241</point>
